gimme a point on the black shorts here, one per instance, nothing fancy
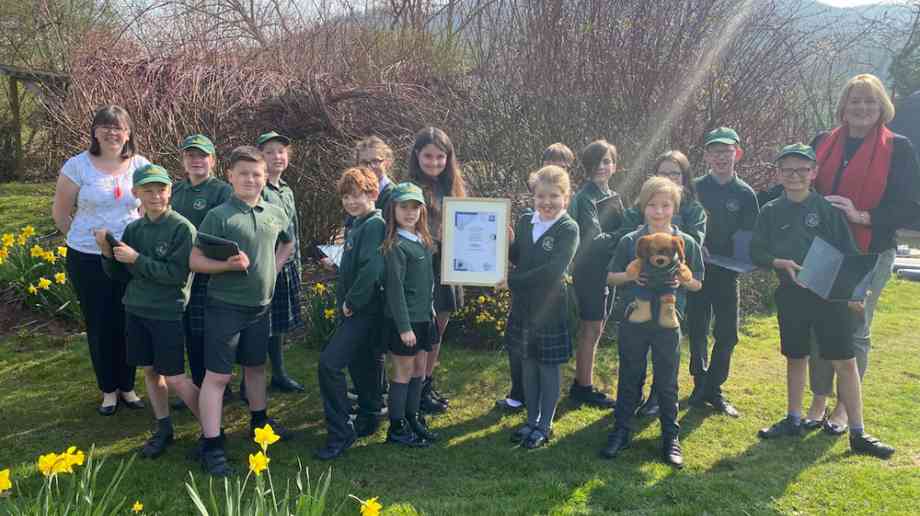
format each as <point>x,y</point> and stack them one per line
<point>234,333</point>
<point>426,333</point>
<point>592,295</point>
<point>800,311</point>
<point>157,343</point>
<point>447,298</point>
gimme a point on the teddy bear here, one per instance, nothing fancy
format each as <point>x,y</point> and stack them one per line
<point>660,259</point>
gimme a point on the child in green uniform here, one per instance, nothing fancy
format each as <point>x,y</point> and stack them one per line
<point>784,232</point>
<point>153,258</point>
<point>193,198</point>
<point>239,294</point>
<point>409,328</point>
<point>285,312</point>
<point>358,302</point>
<point>659,200</point>
<point>599,164</point>
<point>542,248</point>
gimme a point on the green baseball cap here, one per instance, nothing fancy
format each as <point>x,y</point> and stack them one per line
<point>725,135</point>
<point>798,149</point>
<point>198,141</point>
<point>272,135</point>
<point>151,173</point>
<point>407,192</point>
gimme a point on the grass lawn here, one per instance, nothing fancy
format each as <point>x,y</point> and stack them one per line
<point>48,400</point>
<point>26,203</point>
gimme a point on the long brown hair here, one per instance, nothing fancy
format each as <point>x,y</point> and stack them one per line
<point>392,237</point>
<point>450,181</point>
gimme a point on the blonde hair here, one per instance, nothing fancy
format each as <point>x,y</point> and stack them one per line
<point>658,185</point>
<point>551,175</point>
<point>874,84</point>
<point>373,143</point>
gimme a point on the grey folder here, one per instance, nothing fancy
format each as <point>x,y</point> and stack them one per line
<point>740,261</point>
<point>835,276</point>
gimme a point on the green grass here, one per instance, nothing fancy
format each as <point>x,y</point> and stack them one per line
<point>26,203</point>
<point>48,400</point>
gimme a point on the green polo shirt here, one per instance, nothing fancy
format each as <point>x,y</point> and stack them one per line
<point>255,229</point>
<point>785,229</point>
<point>409,283</point>
<point>730,207</point>
<point>283,196</point>
<point>194,202</point>
<point>361,267</point>
<point>159,281</point>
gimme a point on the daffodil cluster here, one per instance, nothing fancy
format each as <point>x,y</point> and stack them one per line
<point>322,311</point>
<point>35,272</point>
<point>52,463</point>
<point>487,315</point>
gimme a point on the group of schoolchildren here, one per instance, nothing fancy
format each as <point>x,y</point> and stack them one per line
<point>389,299</point>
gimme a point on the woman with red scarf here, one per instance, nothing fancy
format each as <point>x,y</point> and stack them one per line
<point>872,175</point>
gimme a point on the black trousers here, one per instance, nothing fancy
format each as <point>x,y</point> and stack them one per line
<point>104,314</point>
<point>355,337</point>
<point>719,299</point>
<point>369,376</point>
<point>633,344</point>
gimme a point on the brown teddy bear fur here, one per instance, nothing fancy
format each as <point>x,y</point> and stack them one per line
<point>659,250</point>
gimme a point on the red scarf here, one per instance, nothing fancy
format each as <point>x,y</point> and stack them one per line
<point>865,176</point>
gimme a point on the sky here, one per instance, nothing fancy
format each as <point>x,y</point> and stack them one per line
<point>854,3</point>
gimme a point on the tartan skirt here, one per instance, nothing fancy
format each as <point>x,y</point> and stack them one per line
<point>547,345</point>
<point>194,312</point>
<point>286,301</point>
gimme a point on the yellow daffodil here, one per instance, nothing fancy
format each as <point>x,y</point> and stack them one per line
<point>5,483</point>
<point>371,507</point>
<point>62,251</point>
<point>74,456</point>
<point>47,463</point>
<point>319,289</point>
<point>265,437</point>
<point>50,257</point>
<point>329,313</point>
<point>28,231</point>
<point>8,240</point>
<point>60,278</point>
<point>32,290</point>
<point>37,251</point>
<point>44,283</point>
<point>21,239</point>
<point>258,463</point>
<point>4,254</point>
<point>137,507</point>
<point>482,300</point>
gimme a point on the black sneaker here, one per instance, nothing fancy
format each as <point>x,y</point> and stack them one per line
<point>214,463</point>
<point>156,445</point>
<point>505,404</point>
<point>420,427</point>
<point>521,434</point>
<point>400,433</point>
<point>865,443</point>
<point>366,424</point>
<point>537,438</point>
<point>783,428</point>
<point>589,395</point>
<point>650,408</point>
<point>671,452</point>
<point>722,405</point>
<point>617,441</point>
<point>277,427</point>
<point>334,450</point>
<point>429,405</point>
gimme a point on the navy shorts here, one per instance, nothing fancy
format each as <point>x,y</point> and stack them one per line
<point>800,311</point>
<point>156,343</point>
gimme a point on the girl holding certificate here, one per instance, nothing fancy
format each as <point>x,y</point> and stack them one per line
<point>434,168</point>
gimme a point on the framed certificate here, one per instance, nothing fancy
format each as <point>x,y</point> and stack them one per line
<point>474,241</point>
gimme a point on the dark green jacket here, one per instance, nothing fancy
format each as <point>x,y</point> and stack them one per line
<point>409,283</point>
<point>361,268</point>
<point>160,280</point>
<point>786,229</point>
<point>595,230</point>
<point>537,283</point>
<point>691,219</point>
<point>730,207</point>
<point>194,202</point>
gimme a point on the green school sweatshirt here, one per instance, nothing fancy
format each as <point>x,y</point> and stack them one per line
<point>409,283</point>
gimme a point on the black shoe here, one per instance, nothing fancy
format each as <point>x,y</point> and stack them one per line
<point>589,395</point>
<point>286,384</point>
<point>783,428</point>
<point>833,428</point>
<point>277,427</point>
<point>420,427</point>
<point>617,441</point>
<point>214,463</point>
<point>814,424</point>
<point>697,398</point>
<point>537,439</point>
<point>137,404</point>
<point>333,450</point>
<point>428,388</point>
<point>650,408</point>
<point>865,443</point>
<point>429,405</point>
<point>177,404</point>
<point>156,445</point>
<point>400,433</point>
<point>671,453</point>
<point>366,425</point>
<point>722,405</point>
<point>521,434</point>
<point>107,410</point>
<point>504,405</point>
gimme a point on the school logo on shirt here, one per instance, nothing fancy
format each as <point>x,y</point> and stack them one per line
<point>732,205</point>
<point>548,243</point>
<point>200,204</point>
<point>349,245</point>
<point>161,249</point>
<point>812,220</point>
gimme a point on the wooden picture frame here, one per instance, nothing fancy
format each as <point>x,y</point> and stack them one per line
<point>474,241</point>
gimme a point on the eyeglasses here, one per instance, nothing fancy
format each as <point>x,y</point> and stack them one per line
<point>376,162</point>
<point>801,172</point>
<point>112,129</point>
<point>671,175</point>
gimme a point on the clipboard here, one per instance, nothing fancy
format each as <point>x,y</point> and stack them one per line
<point>740,261</point>
<point>835,276</point>
<point>217,248</point>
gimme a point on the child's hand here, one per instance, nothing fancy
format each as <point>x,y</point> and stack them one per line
<point>642,280</point>
<point>790,267</point>
<point>408,338</point>
<point>103,244</point>
<point>239,262</point>
<point>125,254</point>
<point>510,234</point>
<point>327,263</point>
<point>347,312</point>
